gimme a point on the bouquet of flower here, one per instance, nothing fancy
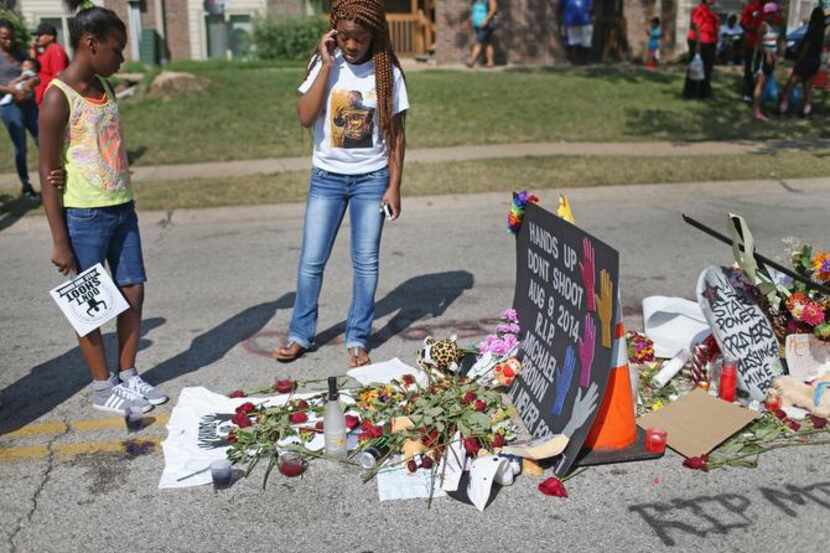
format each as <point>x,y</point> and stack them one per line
<point>798,309</point>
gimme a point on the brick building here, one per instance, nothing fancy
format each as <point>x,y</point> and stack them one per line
<point>184,29</point>
<point>528,30</point>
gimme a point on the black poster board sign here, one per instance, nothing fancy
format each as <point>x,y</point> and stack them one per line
<point>567,331</point>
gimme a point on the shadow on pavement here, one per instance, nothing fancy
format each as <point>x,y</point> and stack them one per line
<point>51,383</point>
<point>213,345</point>
<point>12,209</point>
<point>411,301</point>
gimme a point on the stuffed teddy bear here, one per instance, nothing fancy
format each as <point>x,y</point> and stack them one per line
<point>813,397</point>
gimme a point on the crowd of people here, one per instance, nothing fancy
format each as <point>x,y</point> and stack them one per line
<point>757,40</point>
<point>24,77</point>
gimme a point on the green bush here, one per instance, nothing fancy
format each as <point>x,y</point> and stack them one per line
<point>288,37</point>
<point>21,33</point>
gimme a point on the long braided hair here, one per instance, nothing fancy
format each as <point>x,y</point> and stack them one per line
<point>372,15</point>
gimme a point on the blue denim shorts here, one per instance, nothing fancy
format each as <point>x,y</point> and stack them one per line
<point>110,234</point>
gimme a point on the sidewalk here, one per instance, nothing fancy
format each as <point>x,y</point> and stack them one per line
<point>229,169</point>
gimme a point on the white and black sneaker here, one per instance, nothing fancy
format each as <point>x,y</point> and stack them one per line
<point>131,379</point>
<point>119,399</point>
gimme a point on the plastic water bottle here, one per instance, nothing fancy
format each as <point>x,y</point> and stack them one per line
<point>334,422</point>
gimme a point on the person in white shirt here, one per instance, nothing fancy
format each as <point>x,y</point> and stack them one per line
<point>354,98</point>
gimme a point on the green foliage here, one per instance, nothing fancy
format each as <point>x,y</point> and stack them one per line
<point>288,37</point>
<point>22,37</point>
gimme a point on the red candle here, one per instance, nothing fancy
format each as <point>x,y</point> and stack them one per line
<point>728,381</point>
<point>656,440</point>
<point>773,403</point>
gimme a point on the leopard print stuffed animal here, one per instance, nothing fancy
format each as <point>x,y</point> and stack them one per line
<point>441,355</point>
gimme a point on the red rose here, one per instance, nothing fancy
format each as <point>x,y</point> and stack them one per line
<point>352,422</point>
<point>794,426</point>
<point>430,437</point>
<point>300,405</point>
<point>468,397</point>
<point>498,440</point>
<point>231,439</point>
<point>553,487</point>
<point>284,386</point>
<point>818,422</point>
<point>366,425</point>
<point>472,446</point>
<point>246,407</point>
<point>241,420</point>
<point>780,414</point>
<point>479,405</point>
<point>411,465</point>
<point>426,462</point>
<point>697,463</point>
<point>298,417</point>
<point>375,432</point>
<point>408,379</point>
<point>237,393</point>
<point>318,425</point>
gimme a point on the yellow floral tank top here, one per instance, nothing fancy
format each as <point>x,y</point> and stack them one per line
<point>95,158</point>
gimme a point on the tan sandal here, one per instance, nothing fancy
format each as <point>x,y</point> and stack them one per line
<point>358,357</point>
<point>289,352</point>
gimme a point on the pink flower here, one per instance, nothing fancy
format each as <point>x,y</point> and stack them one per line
<point>812,314</point>
<point>510,315</point>
<point>509,342</point>
<point>508,328</point>
<point>553,487</point>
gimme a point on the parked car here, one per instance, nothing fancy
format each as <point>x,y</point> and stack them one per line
<point>793,39</point>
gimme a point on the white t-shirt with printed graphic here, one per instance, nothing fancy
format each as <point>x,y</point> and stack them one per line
<point>347,137</point>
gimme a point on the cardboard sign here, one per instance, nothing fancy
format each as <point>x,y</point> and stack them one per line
<point>698,423</point>
<point>807,357</point>
<point>566,298</point>
<point>89,300</point>
<point>741,329</point>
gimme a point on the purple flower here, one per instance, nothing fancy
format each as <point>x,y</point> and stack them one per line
<point>521,198</point>
<point>510,315</point>
<point>509,342</point>
<point>488,344</point>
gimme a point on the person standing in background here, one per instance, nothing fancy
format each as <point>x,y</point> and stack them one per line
<point>703,39</point>
<point>751,17</point>
<point>51,56</point>
<point>482,21</point>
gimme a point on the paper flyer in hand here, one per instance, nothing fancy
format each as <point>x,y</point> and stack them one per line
<point>89,299</point>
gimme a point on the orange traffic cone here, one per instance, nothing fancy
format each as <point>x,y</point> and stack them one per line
<point>614,427</point>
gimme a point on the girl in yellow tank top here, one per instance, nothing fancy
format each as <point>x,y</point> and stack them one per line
<point>92,217</point>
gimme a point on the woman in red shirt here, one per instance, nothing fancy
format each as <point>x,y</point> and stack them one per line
<point>703,39</point>
<point>50,54</point>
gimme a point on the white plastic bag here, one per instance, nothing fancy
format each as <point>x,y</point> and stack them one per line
<point>695,69</point>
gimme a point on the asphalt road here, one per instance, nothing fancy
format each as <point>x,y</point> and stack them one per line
<point>218,300</point>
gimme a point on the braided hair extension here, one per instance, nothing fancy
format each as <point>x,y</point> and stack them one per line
<point>372,15</point>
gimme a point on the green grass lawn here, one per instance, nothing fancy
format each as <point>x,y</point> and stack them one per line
<point>249,112</point>
<point>535,173</point>
<point>505,175</point>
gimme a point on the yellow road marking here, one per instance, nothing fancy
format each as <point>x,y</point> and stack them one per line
<point>67,451</point>
<point>49,427</point>
<point>116,423</point>
<point>23,453</point>
<point>86,425</point>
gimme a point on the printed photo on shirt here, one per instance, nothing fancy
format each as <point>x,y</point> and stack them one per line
<point>352,119</point>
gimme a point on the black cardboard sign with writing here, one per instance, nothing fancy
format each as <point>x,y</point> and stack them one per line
<point>567,331</point>
<point>740,327</point>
